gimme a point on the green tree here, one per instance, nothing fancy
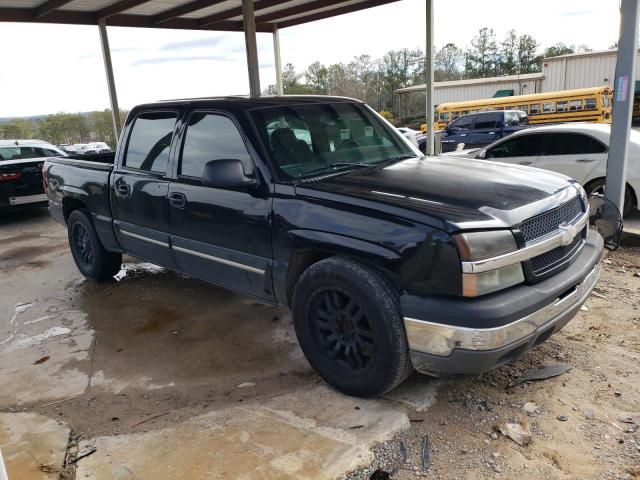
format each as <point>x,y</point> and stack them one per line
<point>482,57</point>
<point>317,78</point>
<point>18,128</point>
<point>447,62</point>
<point>528,60</point>
<point>558,49</point>
<point>509,54</point>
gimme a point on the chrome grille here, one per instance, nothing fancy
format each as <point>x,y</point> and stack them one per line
<point>550,259</point>
<point>548,222</point>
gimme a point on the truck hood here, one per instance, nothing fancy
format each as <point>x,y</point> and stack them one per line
<point>451,193</point>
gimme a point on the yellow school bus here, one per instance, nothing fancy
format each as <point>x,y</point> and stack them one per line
<point>579,105</point>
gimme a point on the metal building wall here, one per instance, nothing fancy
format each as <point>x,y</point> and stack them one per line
<point>479,91</point>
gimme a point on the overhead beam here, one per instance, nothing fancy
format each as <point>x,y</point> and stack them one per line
<point>71,17</point>
<point>333,12</point>
<point>298,9</point>
<point>118,7</point>
<point>183,10</point>
<point>49,6</point>
<point>236,11</point>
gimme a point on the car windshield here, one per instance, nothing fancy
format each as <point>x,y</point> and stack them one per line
<point>315,139</point>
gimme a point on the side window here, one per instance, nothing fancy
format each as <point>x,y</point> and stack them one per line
<point>589,103</point>
<point>150,141</point>
<point>463,123</point>
<point>573,144</point>
<point>562,106</point>
<point>524,108</point>
<point>520,146</point>
<point>210,137</point>
<point>488,120</point>
<point>534,109</point>
<point>9,153</point>
<point>549,107</point>
<point>575,105</point>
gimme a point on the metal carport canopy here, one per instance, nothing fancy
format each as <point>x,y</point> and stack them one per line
<point>248,16</point>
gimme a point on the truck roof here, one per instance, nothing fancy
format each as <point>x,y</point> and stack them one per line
<point>247,102</point>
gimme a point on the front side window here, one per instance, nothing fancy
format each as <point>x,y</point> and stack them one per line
<point>308,140</point>
<point>150,141</point>
<point>463,123</point>
<point>573,144</point>
<point>210,137</point>
<point>520,146</point>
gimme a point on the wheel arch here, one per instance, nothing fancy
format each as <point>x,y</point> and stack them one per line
<point>634,195</point>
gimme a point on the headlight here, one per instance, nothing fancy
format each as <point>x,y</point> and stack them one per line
<point>480,245</point>
<point>475,284</point>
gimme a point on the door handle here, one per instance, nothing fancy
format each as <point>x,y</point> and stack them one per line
<point>463,134</point>
<point>123,190</point>
<point>525,163</point>
<point>178,200</point>
<point>585,160</point>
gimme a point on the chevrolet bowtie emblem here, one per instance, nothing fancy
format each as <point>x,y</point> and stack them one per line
<point>567,233</point>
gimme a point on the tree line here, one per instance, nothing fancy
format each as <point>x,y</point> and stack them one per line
<point>62,128</point>
<point>374,80</point>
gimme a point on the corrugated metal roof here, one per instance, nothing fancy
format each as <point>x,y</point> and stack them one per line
<point>184,14</point>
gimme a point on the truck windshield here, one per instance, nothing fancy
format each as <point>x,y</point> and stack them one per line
<point>315,139</point>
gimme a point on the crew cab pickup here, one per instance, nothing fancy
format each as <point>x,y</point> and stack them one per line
<point>389,260</point>
<point>476,130</point>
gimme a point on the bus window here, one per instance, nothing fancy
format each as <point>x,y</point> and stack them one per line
<point>606,101</point>
<point>589,103</point>
<point>575,105</point>
<point>562,106</point>
<point>444,116</point>
<point>524,108</point>
<point>534,108</point>
<point>549,107</point>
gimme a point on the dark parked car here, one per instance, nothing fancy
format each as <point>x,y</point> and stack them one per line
<point>389,260</point>
<point>476,130</point>
<point>21,164</point>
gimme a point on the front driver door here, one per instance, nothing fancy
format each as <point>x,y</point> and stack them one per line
<point>220,235</point>
<point>518,150</point>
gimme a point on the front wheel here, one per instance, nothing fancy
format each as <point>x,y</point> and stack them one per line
<point>349,325</point>
<point>91,258</point>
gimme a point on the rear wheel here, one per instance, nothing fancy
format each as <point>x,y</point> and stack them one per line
<point>597,187</point>
<point>349,326</point>
<point>91,258</point>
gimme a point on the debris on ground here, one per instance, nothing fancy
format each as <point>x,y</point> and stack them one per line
<point>518,432</point>
<point>542,373</point>
<point>426,456</point>
<point>530,408</point>
<point>247,385</point>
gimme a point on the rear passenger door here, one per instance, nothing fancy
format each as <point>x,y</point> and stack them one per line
<point>220,235</point>
<point>488,129</point>
<point>140,186</point>
<point>573,154</point>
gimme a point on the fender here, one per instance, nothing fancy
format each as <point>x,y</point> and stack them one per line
<point>341,244</point>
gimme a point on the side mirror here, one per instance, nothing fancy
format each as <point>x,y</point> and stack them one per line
<point>482,155</point>
<point>227,173</point>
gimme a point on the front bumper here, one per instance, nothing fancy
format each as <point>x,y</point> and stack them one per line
<point>512,321</point>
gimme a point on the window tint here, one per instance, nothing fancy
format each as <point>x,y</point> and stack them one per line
<point>520,146</point>
<point>210,137</point>
<point>150,141</point>
<point>488,120</point>
<point>573,144</point>
<point>463,123</point>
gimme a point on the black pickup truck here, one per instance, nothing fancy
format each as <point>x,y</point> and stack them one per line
<point>389,260</point>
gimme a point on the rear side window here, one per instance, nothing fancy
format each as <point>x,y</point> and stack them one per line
<point>210,137</point>
<point>150,141</point>
<point>520,146</point>
<point>489,120</point>
<point>573,144</point>
<point>23,153</point>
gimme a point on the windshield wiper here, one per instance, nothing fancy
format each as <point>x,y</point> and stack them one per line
<point>338,166</point>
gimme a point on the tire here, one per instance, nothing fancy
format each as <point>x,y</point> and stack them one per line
<point>350,327</point>
<point>93,261</point>
<point>597,187</point>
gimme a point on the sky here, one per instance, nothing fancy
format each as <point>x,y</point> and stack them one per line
<point>58,68</point>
